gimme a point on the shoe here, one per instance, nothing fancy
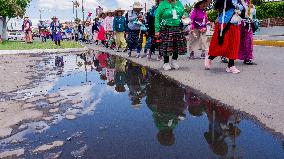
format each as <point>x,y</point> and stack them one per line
<point>208,63</point>
<point>129,54</point>
<point>203,55</point>
<point>138,56</point>
<point>224,60</point>
<point>248,62</point>
<point>191,55</point>
<point>174,64</point>
<point>159,58</point>
<point>167,66</point>
<point>125,50</point>
<point>149,56</point>
<point>233,70</point>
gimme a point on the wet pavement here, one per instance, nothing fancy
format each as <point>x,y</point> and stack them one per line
<point>103,106</point>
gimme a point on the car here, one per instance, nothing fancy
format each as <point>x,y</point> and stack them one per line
<point>18,35</point>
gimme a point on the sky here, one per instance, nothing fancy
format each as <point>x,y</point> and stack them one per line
<point>64,11</point>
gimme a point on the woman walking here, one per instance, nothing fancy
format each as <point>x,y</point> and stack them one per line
<point>135,35</point>
<point>168,28</point>
<point>150,18</point>
<point>246,47</point>
<point>198,38</point>
<point>226,38</point>
<point>27,27</point>
<point>55,27</point>
<point>109,28</point>
<point>102,27</point>
<point>119,29</point>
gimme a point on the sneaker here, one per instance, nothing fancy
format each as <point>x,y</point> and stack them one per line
<point>208,63</point>
<point>129,54</point>
<point>224,59</point>
<point>233,70</point>
<point>149,56</point>
<point>174,64</point>
<point>202,55</point>
<point>167,66</point>
<point>191,55</point>
<point>138,56</point>
<point>159,58</point>
<point>125,50</point>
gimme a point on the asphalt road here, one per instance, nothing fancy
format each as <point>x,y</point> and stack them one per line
<point>258,90</point>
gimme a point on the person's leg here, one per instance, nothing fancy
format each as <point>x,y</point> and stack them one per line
<point>208,62</point>
<point>166,59</point>
<point>231,63</point>
<point>58,42</point>
<point>203,44</point>
<point>123,43</point>
<point>31,37</point>
<point>212,57</point>
<point>175,55</point>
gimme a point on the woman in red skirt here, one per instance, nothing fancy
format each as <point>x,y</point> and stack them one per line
<point>226,38</point>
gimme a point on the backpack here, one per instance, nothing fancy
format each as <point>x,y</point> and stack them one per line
<point>127,21</point>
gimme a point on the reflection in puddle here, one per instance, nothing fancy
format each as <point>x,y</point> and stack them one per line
<point>123,110</point>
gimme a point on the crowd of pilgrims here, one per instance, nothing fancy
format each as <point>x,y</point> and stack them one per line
<point>168,101</point>
<point>170,32</point>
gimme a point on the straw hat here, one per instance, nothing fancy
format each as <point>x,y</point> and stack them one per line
<point>54,17</point>
<point>137,5</point>
<point>109,11</point>
<point>119,10</point>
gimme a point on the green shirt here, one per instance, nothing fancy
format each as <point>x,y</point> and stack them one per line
<point>164,15</point>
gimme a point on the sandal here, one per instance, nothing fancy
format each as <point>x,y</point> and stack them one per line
<point>248,62</point>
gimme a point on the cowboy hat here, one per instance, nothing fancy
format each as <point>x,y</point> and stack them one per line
<point>137,5</point>
<point>109,11</point>
<point>54,17</point>
<point>119,10</point>
<point>26,16</point>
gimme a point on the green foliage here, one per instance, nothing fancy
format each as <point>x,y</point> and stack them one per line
<point>188,8</point>
<point>212,15</point>
<point>257,2</point>
<point>13,8</point>
<point>16,45</point>
<point>270,10</point>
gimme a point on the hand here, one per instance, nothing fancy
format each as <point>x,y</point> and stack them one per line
<point>157,34</point>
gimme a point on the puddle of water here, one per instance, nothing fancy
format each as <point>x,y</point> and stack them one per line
<point>123,110</point>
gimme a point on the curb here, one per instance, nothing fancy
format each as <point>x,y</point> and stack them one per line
<point>276,43</point>
<point>41,51</point>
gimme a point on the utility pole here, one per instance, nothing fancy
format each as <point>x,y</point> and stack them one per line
<point>83,11</point>
<point>40,11</point>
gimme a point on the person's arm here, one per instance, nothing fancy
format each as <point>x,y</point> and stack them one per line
<point>114,24</point>
<point>192,17</point>
<point>158,19</point>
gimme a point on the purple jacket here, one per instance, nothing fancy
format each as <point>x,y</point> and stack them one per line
<point>197,16</point>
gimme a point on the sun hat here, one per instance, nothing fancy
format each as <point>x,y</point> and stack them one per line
<point>137,5</point>
<point>54,17</point>
<point>119,10</point>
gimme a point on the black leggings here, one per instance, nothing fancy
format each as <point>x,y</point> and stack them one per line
<point>167,58</point>
<point>57,42</point>
<point>230,63</point>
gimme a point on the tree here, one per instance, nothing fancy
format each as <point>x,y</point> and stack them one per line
<point>188,8</point>
<point>11,9</point>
